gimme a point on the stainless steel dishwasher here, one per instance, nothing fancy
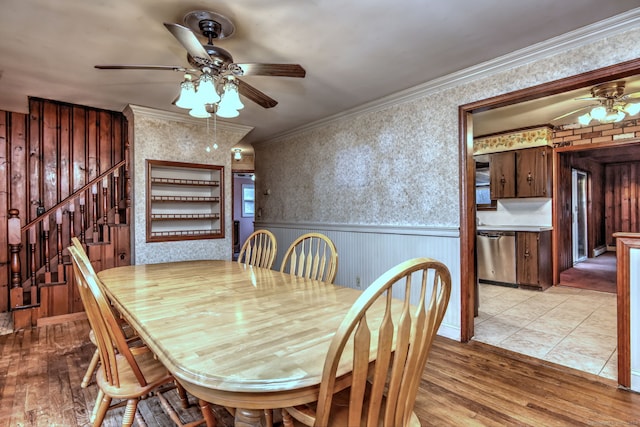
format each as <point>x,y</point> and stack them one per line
<point>497,257</point>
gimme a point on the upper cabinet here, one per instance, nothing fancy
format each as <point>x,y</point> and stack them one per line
<point>502,171</point>
<point>521,173</point>
<point>533,172</point>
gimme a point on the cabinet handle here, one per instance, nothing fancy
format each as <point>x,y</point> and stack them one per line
<point>502,180</point>
<point>526,253</point>
<point>529,178</point>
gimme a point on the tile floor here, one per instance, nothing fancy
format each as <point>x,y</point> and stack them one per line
<point>569,326</point>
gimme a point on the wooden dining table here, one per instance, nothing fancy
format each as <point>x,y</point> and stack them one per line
<point>232,334</point>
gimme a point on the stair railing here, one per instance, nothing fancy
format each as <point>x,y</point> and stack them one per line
<point>44,252</point>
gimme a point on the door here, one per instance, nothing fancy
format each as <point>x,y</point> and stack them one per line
<point>579,215</point>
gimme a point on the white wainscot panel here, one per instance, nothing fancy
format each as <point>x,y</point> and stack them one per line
<point>365,252</point>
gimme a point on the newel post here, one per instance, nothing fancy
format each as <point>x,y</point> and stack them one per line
<point>15,244</point>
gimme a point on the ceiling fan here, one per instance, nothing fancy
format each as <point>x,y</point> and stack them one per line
<point>612,105</point>
<point>213,67</point>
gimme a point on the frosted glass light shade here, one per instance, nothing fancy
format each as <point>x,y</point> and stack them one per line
<point>188,97</point>
<point>225,108</point>
<point>584,119</point>
<point>231,93</point>
<point>599,113</point>
<point>632,108</point>
<point>199,111</point>
<point>207,90</point>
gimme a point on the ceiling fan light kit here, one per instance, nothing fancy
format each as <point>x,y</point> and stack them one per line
<point>613,106</point>
<point>212,85</point>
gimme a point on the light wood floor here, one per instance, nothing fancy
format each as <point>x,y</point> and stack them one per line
<point>464,385</point>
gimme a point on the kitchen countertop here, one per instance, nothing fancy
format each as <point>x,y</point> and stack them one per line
<point>512,227</point>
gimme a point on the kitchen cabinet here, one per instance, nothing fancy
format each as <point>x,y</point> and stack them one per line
<point>502,175</point>
<point>521,173</point>
<point>184,201</point>
<point>533,259</point>
<point>533,172</point>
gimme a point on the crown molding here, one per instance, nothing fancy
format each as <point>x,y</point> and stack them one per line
<point>573,39</point>
<point>153,113</point>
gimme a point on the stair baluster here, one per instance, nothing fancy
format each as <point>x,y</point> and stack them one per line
<point>105,211</point>
<point>59,244</point>
<point>71,210</point>
<point>116,196</point>
<point>83,223</point>
<point>13,228</point>
<point>47,262</point>
<point>94,202</point>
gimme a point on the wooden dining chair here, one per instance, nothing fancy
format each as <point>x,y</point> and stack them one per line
<point>312,255</point>
<point>126,373</point>
<point>259,249</point>
<point>93,364</point>
<point>381,393</point>
<point>129,332</point>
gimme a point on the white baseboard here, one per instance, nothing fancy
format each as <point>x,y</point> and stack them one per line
<point>599,251</point>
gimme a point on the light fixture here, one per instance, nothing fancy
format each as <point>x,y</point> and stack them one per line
<point>611,110</point>
<point>237,154</point>
<point>210,95</point>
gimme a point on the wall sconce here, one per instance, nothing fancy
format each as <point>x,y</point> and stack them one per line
<point>237,154</point>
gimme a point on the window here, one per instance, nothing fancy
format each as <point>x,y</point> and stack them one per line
<point>248,200</point>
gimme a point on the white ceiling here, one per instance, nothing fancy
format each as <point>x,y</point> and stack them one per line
<point>354,51</point>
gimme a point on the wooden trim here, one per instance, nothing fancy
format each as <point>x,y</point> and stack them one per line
<point>63,318</point>
<point>624,243</point>
<point>468,297</point>
<point>467,198</point>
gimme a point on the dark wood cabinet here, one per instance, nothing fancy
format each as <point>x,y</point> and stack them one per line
<point>533,172</point>
<point>521,173</point>
<point>533,259</point>
<point>502,175</point>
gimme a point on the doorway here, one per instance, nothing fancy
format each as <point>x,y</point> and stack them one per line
<point>579,218</point>
<point>243,209</point>
<point>468,228</point>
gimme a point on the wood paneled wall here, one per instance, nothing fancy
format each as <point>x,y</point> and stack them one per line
<point>622,199</point>
<point>47,155</point>
<point>595,207</point>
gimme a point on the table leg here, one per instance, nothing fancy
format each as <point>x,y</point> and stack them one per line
<point>207,414</point>
<point>248,417</point>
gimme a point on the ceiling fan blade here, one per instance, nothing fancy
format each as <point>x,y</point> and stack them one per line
<point>277,70</point>
<point>255,95</point>
<point>573,112</point>
<point>146,67</point>
<point>190,42</point>
<point>631,95</point>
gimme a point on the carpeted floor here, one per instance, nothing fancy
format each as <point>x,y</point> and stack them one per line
<point>596,274</point>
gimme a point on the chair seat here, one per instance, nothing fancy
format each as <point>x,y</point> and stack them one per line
<point>154,372</point>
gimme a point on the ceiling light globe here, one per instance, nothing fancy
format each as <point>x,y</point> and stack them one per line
<point>632,108</point>
<point>231,95</point>
<point>207,90</point>
<point>599,113</point>
<point>199,111</point>
<point>585,119</point>
<point>188,97</point>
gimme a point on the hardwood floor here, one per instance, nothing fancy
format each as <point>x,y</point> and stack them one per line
<point>464,385</point>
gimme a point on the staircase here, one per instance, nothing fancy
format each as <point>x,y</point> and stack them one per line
<point>42,285</point>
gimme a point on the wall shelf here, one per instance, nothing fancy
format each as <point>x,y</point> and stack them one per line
<point>184,201</point>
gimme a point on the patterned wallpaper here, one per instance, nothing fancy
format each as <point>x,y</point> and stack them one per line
<point>168,136</point>
<point>399,165</point>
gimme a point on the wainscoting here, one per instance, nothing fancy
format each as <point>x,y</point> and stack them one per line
<point>365,252</point>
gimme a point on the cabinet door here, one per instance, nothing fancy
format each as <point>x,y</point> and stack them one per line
<point>502,173</point>
<point>533,168</point>
<point>527,258</point>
